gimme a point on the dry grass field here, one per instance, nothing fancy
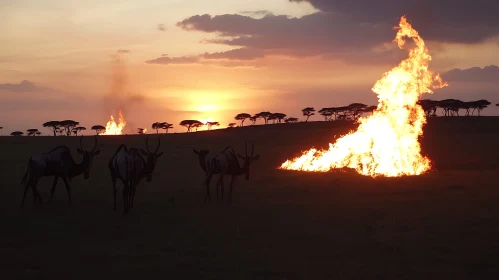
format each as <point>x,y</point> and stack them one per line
<point>281,225</point>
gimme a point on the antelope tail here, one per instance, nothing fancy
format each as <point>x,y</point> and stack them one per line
<point>28,172</point>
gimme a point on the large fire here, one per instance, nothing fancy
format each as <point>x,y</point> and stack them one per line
<point>113,128</point>
<point>385,143</point>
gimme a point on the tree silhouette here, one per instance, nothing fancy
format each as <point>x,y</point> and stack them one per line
<point>68,126</point>
<point>242,117</point>
<point>481,104</point>
<point>16,133</point>
<point>78,129</point>
<point>308,112</point>
<point>53,126</point>
<point>211,124</point>
<point>140,130</point>
<point>279,116</point>
<point>198,125</point>
<point>156,126</point>
<point>38,133</point>
<point>189,124</point>
<point>327,113</point>
<point>98,129</point>
<point>166,126</point>
<point>496,105</point>
<point>272,118</point>
<point>291,120</point>
<point>253,119</point>
<point>264,115</point>
<point>32,131</point>
<point>231,125</point>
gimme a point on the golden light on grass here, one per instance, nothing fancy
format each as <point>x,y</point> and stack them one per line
<point>385,143</point>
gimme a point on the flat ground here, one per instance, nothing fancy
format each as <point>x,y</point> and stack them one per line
<point>281,225</point>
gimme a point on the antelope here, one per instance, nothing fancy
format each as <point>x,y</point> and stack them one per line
<point>59,163</point>
<point>146,167</point>
<point>225,163</point>
<point>130,167</point>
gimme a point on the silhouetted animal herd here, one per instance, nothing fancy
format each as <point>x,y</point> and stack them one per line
<point>130,166</point>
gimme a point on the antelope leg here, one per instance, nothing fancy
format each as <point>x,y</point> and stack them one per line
<point>68,188</point>
<point>52,191</point>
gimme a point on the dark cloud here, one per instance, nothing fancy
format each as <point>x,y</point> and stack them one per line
<point>441,20</point>
<point>257,13</point>
<point>161,27</point>
<point>124,51</point>
<point>475,74</point>
<point>236,54</point>
<point>311,35</point>
<point>165,60</point>
<point>24,86</point>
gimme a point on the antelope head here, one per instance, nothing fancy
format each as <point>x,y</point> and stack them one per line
<point>202,157</point>
<point>248,159</point>
<point>151,158</point>
<point>88,156</point>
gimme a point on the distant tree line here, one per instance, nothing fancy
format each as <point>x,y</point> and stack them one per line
<point>451,107</point>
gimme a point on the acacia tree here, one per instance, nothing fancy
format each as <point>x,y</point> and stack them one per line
<point>166,126</point>
<point>308,112</point>
<point>16,133</point>
<point>279,116</point>
<point>38,133</point>
<point>242,117</point>
<point>291,120</point>
<point>53,126</point>
<point>98,129</point>
<point>156,126</point>
<point>211,124</point>
<point>32,131</point>
<point>189,124</point>
<point>78,129</point>
<point>68,126</point>
<point>231,125</point>
<point>198,125</point>
<point>253,119</point>
<point>264,115</point>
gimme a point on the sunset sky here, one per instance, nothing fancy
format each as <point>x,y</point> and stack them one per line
<point>169,60</point>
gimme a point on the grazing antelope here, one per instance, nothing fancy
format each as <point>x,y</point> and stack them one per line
<point>130,167</point>
<point>59,163</point>
<point>225,163</point>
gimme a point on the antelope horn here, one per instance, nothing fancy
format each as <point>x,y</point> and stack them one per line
<point>159,144</point>
<point>252,149</point>
<point>246,148</point>
<point>81,139</point>
<point>147,144</point>
<point>95,143</point>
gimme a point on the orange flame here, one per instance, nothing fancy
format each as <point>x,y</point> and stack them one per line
<point>115,129</point>
<point>385,143</point>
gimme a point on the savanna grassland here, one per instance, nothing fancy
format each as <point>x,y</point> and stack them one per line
<point>281,225</point>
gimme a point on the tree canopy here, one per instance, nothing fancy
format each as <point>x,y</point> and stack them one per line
<point>189,124</point>
<point>98,129</point>
<point>242,117</point>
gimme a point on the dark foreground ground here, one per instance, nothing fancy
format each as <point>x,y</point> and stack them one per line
<point>282,225</point>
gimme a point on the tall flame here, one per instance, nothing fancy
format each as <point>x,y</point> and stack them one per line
<point>112,128</point>
<point>385,143</point>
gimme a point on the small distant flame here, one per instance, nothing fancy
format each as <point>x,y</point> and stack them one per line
<point>386,143</point>
<point>145,130</point>
<point>115,129</point>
